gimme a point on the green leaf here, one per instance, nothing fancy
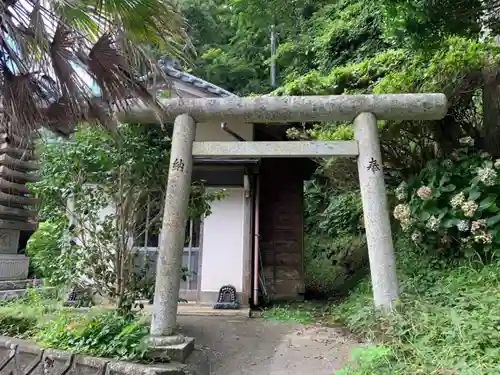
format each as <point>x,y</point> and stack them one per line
<point>448,188</point>
<point>469,253</point>
<point>487,202</point>
<point>424,216</point>
<point>474,194</point>
<point>494,208</point>
<point>492,220</point>
<point>444,180</point>
<point>448,223</point>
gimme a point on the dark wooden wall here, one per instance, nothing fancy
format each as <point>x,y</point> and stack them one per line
<point>281,227</point>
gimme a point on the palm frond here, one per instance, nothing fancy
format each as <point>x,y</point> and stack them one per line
<point>45,46</point>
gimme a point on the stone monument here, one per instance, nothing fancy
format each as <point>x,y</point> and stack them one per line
<point>16,169</point>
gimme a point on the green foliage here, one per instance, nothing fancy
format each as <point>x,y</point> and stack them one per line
<point>369,360</point>
<point>232,38</point>
<point>333,265</point>
<point>95,332</point>
<point>108,334</point>
<point>447,319</point>
<point>332,213</point>
<point>451,206</point>
<point>299,312</point>
<point>335,255</point>
<point>44,249</point>
<point>342,215</point>
<point>19,317</point>
<point>94,156</point>
<point>107,185</point>
<point>424,23</point>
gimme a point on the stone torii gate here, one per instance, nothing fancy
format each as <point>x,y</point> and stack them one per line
<point>365,110</point>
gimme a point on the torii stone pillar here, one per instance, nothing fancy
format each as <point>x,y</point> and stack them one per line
<point>376,212</point>
<point>363,109</point>
<point>171,246</point>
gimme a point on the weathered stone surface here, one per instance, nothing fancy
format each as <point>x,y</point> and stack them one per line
<point>27,359</point>
<point>289,149</point>
<point>54,362</point>
<point>376,212</point>
<point>9,240</point>
<point>268,109</point>
<point>169,261</point>
<point>15,284</point>
<point>20,357</point>
<point>7,351</point>
<point>127,368</point>
<point>177,352</point>
<point>13,267</point>
<point>85,365</point>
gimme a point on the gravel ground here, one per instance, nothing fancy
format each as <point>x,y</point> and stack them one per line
<point>237,346</point>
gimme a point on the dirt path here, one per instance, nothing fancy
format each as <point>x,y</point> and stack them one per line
<point>237,346</point>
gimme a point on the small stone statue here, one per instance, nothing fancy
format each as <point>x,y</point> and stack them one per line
<point>79,297</point>
<point>227,298</point>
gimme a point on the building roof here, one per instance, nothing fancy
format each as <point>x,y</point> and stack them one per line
<point>170,69</point>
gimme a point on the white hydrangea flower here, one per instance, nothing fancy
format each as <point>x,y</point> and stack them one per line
<point>483,237</point>
<point>402,191</point>
<point>433,223</point>
<point>416,236</point>
<point>463,225</point>
<point>469,208</point>
<point>457,200</point>
<point>487,176</point>
<point>466,141</point>
<point>403,215</point>
<point>485,155</point>
<point>466,241</point>
<point>497,164</point>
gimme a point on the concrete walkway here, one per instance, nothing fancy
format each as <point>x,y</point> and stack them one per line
<point>239,346</point>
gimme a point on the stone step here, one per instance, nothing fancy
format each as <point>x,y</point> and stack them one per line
<point>15,293</point>
<point>17,284</point>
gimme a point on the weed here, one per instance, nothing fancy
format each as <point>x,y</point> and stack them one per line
<point>448,321</point>
<point>298,312</point>
<point>107,334</point>
<point>99,332</point>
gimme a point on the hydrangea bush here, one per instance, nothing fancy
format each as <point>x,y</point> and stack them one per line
<point>452,206</point>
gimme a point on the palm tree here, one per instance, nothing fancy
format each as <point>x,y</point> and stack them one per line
<point>50,51</point>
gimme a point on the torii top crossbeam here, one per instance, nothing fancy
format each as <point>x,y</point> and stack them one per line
<point>279,109</point>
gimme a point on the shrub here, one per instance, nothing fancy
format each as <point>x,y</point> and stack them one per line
<point>334,265</point>
<point>335,255</point>
<point>108,334</point>
<point>447,321</point>
<point>99,333</point>
<point>452,206</point>
<point>44,248</point>
<point>16,323</point>
<point>19,317</point>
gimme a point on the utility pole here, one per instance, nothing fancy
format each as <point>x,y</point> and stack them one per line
<point>273,54</point>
